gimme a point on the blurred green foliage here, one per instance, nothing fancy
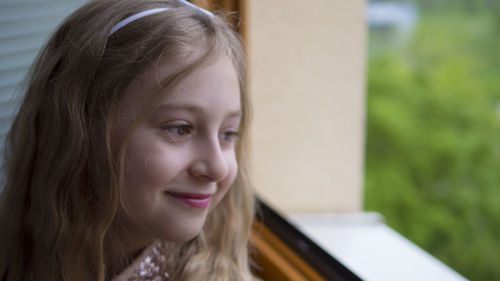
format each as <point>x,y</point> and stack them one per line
<point>433,137</point>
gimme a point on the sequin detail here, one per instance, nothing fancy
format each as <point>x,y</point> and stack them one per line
<point>152,267</point>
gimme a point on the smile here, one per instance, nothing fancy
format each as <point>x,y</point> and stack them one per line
<point>195,200</point>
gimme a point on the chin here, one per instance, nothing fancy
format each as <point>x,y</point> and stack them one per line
<point>182,232</point>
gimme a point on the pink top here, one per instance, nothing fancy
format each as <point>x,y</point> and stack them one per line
<point>149,266</point>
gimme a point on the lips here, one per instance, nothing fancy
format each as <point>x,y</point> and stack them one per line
<point>196,200</point>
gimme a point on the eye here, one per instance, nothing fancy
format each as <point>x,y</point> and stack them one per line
<point>178,132</point>
<point>229,136</point>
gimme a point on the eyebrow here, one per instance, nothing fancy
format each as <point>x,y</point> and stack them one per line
<point>191,108</point>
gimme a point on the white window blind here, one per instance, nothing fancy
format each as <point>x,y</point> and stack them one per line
<point>24,28</point>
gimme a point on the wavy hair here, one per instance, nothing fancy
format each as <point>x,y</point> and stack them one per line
<point>56,223</point>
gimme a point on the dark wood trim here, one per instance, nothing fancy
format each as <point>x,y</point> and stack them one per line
<point>318,259</point>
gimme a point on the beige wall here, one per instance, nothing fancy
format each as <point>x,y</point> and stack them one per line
<point>306,78</point>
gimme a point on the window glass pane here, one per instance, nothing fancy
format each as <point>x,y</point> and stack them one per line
<point>433,127</point>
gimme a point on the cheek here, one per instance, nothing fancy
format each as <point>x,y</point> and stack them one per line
<point>142,161</point>
<point>150,164</point>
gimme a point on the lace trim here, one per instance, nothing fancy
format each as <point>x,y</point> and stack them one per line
<point>152,267</point>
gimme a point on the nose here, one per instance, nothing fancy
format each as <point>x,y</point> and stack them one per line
<point>209,162</point>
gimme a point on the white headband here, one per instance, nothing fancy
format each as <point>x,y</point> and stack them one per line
<point>133,17</point>
<point>139,15</point>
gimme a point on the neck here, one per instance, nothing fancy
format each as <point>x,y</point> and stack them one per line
<point>122,248</point>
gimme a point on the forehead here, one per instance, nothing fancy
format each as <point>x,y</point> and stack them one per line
<point>213,81</point>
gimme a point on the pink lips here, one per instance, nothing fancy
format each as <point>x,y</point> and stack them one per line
<point>195,200</point>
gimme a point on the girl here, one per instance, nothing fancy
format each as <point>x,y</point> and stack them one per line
<point>126,159</point>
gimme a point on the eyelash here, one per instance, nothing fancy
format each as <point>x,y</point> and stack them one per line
<point>229,136</point>
<point>186,129</point>
<point>179,132</point>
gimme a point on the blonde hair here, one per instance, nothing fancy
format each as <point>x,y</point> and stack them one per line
<point>55,222</point>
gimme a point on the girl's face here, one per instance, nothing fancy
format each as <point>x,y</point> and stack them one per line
<point>181,160</point>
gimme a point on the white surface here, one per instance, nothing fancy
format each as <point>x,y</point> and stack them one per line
<point>371,249</point>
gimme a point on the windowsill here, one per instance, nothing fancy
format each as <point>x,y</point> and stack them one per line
<point>371,249</point>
